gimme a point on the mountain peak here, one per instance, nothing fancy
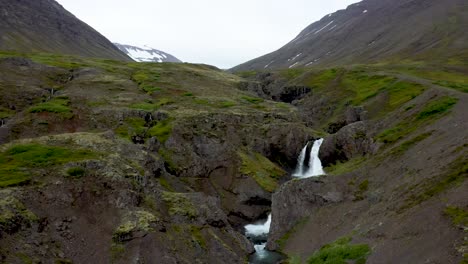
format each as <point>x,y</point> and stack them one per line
<point>146,53</point>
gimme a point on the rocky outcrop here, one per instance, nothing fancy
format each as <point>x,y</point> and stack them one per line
<point>298,199</point>
<point>349,142</point>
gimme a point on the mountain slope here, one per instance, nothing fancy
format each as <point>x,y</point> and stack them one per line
<point>372,31</point>
<point>146,54</point>
<point>45,26</point>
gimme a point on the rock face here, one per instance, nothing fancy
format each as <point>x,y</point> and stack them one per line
<point>297,200</point>
<point>351,141</point>
<point>45,26</point>
<point>373,30</point>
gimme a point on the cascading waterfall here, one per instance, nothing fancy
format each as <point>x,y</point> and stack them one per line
<point>314,167</point>
<point>258,234</point>
<point>300,162</point>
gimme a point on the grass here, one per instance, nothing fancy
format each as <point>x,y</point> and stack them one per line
<point>290,74</point>
<point>431,112</point>
<point>453,80</point>
<point>456,174</point>
<point>162,130</point>
<point>19,161</point>
<point>323,78</point>
<point>76,172</point>
<point>437,107</point>
<point>252,100</point>
<point>262,170</point>
<point>344,167</point>
<point>341,252</point>
<point>403,147</point>
<point>362,188</point>
<point>5,113</point>
<point>179,204</point>
<point>57,105</point>
<point>459,216</point>
<point>130,127</point>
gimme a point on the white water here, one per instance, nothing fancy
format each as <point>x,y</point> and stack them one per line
<point>259,229</point>
<point>300,163</point>
<point>315,165</point>
<point>261,251</point>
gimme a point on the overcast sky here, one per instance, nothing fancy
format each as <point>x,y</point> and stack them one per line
<point>217,32</point>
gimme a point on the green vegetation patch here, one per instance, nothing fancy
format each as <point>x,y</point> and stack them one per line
<point>341,252</point>
<point>252,100</point>
<point>264,172</point>
<point>345,167</point>
<point>297,226</point>
<point>403,147</point>
<point>146,79</point>
<point>13,213</point>
<point>459,216</point>
<point>431,112</point>
<point>179,204</point>
<point>246,74</point>
<point>76,172</point>
<point>162,130</point>
<point>150,106</point>
<point>454,80</point>
<point>323,78</point>
<point>362,188</point>
<point>59,105</point>
<point>292,73</point>
<point>134,221</point>
<point>131,126</point>
<point>456,175</point>
<point>19,161</point>
<point>437,107</point>
<point>5,113</point>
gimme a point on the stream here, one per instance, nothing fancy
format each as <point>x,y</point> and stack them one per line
<point>258,231</point>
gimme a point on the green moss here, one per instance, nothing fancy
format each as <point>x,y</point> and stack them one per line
<point>162,130</point>
<point>340,252</point>
<point>403,147</point>
<point>5,113</point>
<point>197,236</point>
<point>19,160</point>
<point>167,155</point>
<point>252,100</point>
<point>362,188</point>
<point>297,227</point>
<point>264,172</point>
<point>76,172</point>
<point>438,107</point>
<point>145,106</point>
<point>459,216</point>
<point>56,105</point>
<point>130,127</point>
<point>227,104</point>
<point>345,167</point>
<point>246,74</point>
<point>117,251</point>
<point>179,204</point>
<point>63,261</point>
<point>164,183</point>
<point>13,212</point>
<point>456,174</point>
<point>322,79</point>
<point>188,94</point>
<point>134,221</point>
<point>431,112</point>
<point>292,73</point>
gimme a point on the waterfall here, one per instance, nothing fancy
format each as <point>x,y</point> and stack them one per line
<point>258,234</point>
<point>314,166</point>
<point>300,162</point>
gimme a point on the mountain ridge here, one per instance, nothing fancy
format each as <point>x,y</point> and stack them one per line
<point>45,26</point>
<point>375,31</point>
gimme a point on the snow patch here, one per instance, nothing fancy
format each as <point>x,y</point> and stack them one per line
<point>293,65</point>
<point>334,26</point>
<point>268,65</point>
<point>365,11</point>
<point>324,27</point>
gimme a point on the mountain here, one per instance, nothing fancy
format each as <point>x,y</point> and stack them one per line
<point>376,30</point>
<point>146,54</point>
<point>45,26</point>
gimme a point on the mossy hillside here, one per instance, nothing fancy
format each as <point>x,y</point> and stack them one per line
<point>341,251</point>
<point>430,113</point>
<point>262,170</point>
<point>13,212</point>
<point>179,205</point>
<point>443,77</point>
<point>459,216</point>
<point>456,173</point>
<point>59,105</point>
<point>162,130</point>
<point>340,168</point>
<point>134,221</point>
<point>19,162</point>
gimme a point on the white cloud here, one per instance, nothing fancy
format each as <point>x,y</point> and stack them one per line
<point>217,32</point>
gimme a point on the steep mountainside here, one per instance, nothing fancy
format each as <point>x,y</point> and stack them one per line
<point>375,31</point>
<point>146,54</point>
<point>45,26</point>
